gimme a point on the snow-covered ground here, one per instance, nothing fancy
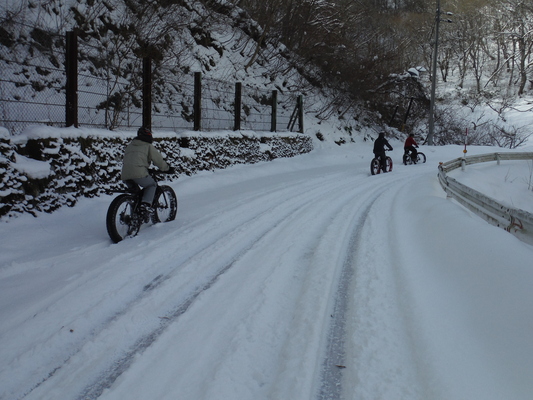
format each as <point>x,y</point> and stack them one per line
<point>303,278</point>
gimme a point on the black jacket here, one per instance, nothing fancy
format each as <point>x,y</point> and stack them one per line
<point>380,143</point>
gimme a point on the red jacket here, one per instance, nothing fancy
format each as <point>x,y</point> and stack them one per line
<point>410,141</point>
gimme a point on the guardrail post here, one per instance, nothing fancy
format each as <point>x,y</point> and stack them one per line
<point>498,158</point>
<point>463,164</point>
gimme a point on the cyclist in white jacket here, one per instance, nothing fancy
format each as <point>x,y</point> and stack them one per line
<point>138,156</point>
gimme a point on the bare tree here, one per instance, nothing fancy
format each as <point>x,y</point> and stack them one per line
<point>518,28</point>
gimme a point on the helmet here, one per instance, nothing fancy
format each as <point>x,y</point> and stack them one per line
<point>145,134</point>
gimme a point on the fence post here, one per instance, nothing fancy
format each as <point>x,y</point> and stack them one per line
<point>274,116</point>
<point>238,104</point>
<point>197,108</point>
<point>301,113</point>
<point>71,70</point>
<point>147,92</point>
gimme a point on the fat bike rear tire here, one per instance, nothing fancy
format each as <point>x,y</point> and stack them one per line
<point>407,160</point>
<point>121,219</point>
<point>375,166</point>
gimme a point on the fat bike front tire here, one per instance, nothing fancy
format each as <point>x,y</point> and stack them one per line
<point>165,205</point>
<point>420,158</point>
<point>121,219</point>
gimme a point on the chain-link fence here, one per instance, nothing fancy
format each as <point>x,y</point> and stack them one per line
<point>109,92</point>
<point>32,81</point>
<point>172,107</point>
<point>257,107</point>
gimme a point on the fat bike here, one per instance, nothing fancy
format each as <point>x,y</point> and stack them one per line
<point>408,159</point>
<point>375,165</point>
<point>125,216</point>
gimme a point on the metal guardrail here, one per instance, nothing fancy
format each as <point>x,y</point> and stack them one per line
<point>513,220</point>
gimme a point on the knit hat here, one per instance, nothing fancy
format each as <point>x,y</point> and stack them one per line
<point>145,134</point>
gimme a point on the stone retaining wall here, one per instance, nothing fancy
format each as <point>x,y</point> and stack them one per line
<point>43,174</point>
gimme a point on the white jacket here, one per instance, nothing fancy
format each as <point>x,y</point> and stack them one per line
<point>137,159</point>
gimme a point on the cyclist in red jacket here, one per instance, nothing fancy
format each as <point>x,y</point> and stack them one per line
<point>411,146</point>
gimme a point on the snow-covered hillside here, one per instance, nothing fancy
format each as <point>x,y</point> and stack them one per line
<point>220,41</point>
<point>302,278</point>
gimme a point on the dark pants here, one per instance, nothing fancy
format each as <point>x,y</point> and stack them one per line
<point>413,151</point>
<point>383,159</point>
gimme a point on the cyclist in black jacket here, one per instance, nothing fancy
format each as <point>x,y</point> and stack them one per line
<point>379,150</point>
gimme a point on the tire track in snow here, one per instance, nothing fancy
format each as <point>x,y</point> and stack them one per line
<point>306,194</point>
<point>105,381</point>
<point>333,364</point>
<point>119,366</point>
<point>231,224</point>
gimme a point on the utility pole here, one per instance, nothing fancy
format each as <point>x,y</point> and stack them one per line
<point>434,75</point>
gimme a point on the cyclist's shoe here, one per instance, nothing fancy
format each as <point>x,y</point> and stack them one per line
<point>146,211</point>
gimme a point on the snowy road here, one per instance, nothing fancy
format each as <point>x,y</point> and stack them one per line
<point>303,278</point>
